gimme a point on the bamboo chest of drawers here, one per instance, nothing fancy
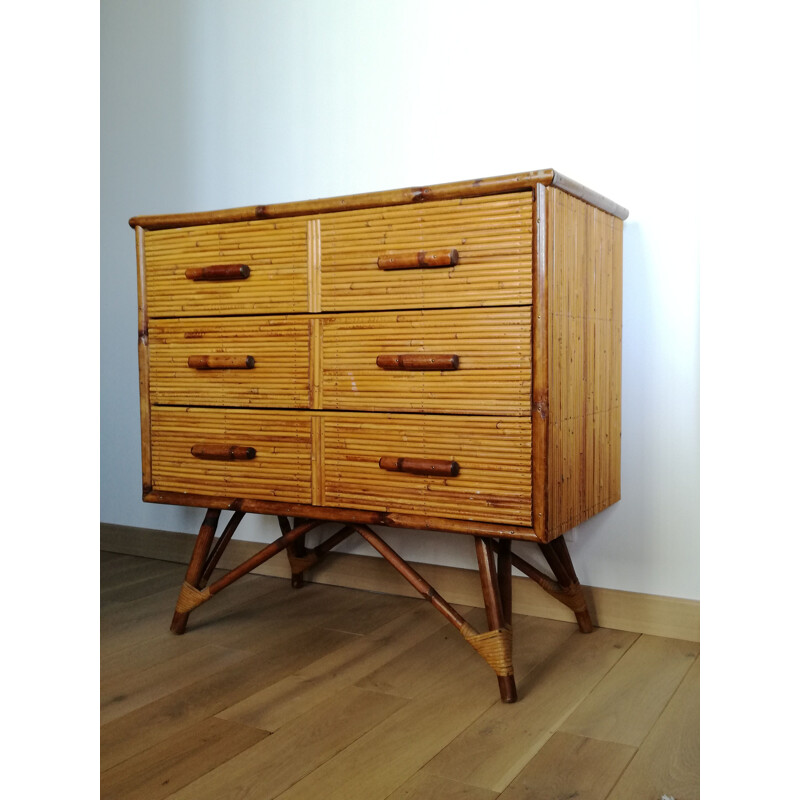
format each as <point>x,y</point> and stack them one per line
<point>442,358</point>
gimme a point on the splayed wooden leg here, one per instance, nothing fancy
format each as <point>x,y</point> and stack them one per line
<point>495,614</point>
<point>194,572</point>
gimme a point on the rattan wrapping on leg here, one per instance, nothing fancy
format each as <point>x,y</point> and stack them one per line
<point>189,598</point>
<point>494,647</point>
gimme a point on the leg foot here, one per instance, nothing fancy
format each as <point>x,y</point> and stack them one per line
<point>194,571</point>
<point>560,562</point>
<point>495,615</point>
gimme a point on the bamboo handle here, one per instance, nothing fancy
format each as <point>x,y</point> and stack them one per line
<point>420,466</point>
<point>219,272</point>
<point>418,362</point>
<point>221,362</point>
<point>223,452</point>
<point>430,258</point>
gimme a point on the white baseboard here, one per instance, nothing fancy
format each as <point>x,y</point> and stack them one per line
<point>610,608</point>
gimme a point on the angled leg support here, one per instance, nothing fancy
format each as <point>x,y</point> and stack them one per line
<point>565,588</point>
<point>193,592</point>
<point>302,558</point>
<point>194,571</point>
<point>494,646</point>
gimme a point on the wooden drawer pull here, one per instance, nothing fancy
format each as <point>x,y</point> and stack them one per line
<point>219,272</point>
<point>418,362</point>
<point>420,466</point>
<point>221,362</point>
<point>430,258</point>
<point>223,452</point>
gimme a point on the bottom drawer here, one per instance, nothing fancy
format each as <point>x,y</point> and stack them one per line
<point>271,459</point>
<point>475,468</point>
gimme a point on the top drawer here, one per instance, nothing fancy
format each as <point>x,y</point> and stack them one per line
<point>274,252</point>
<point>372,259</point>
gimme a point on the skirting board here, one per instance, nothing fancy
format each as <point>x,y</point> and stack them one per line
<point>671,617</point>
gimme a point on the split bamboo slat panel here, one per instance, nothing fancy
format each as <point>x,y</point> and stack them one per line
<point>493,456</point>
<point>274,251</point>
<point>278,345</point>
<point>584,254</point>
<point>493,349</point>
<point>492,237</point>
<point>279,470</point>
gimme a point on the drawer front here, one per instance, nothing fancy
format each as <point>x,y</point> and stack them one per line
<point>235,361</point>
<point>274,252</point>
<point>493,454</point>
<point>370,260</point>
<point>454,361</point>
<point>271,460</point>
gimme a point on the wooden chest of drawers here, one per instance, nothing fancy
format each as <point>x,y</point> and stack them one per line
<point>443,357</point>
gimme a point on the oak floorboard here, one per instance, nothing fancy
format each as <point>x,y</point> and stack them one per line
<point>129,624</point>
<point>668,760</point>
<point>107,557</point>
<point>295,694</point>
<point>150,724</point>
<point>570,766</point>
<point>493,750</point>
<point>378,696</point>
<point>426,786</point>
<point>365,618</point>
<point>378,763</point>
<point>161,770</point>
<point>129,692</point>
<point>264,622</point>
<point>413,671</point>
<point>142,584</point>
<point>270,767</point>
<point>624,706</point>
<point>120,570</point>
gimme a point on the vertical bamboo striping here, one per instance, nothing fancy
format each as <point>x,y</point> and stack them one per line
<point>314,259</point>
<point>540,347</point>
<point>584,316</point>
<point>144,363</point>
<point>315,362</point>
<point>317,462</point>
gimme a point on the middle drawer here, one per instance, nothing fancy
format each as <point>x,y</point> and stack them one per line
<point>457,361</point>
<point>231,361</point>
<point>451,361</point>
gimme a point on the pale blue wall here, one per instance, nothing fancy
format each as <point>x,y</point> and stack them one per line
<point>217,104</point>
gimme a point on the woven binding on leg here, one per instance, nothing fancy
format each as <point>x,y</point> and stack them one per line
<point>190,598</point>
<point>495,648</point>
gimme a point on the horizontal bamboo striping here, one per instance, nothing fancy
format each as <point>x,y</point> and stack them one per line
<point>494,361</point>
<point>273,252</point>
<point>493,455</point>
<point>492,236</point>
<point>279,376</point>
<point>280,470</point>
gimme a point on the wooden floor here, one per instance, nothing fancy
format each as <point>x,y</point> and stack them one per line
<point>331,693</point>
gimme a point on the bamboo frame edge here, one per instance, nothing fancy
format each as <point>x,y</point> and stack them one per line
<point>334,514</point>
<point>501,184</point>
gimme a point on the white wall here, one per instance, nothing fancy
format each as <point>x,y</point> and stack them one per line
<point>216,104</point>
